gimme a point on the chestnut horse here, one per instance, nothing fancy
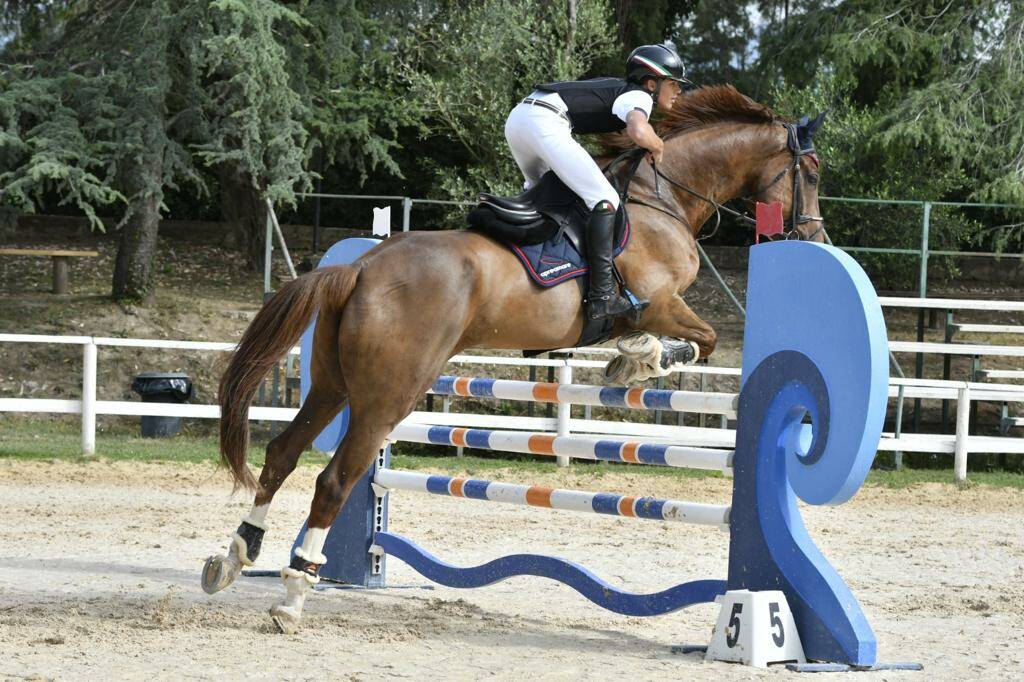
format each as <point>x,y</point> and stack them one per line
<point>389,322</point>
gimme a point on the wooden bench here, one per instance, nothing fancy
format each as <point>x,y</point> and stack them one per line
<point>60,262</point>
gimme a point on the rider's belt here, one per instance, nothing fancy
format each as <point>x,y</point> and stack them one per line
<point>549,107</point>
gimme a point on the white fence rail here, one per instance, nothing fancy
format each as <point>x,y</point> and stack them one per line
<point>961,444</point>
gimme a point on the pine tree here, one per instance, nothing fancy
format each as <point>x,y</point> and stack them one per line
<point>107,104</point>
<point>944,80</point>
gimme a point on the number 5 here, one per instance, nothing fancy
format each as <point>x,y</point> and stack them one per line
<point>734,624</point>
<point>773,612</point>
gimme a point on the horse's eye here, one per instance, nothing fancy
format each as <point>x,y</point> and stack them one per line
<point>812,178</point>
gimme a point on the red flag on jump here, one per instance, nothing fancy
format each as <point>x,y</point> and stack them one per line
<point>769,220</point>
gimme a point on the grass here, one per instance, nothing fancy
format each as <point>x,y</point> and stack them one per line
<point>60,439</point>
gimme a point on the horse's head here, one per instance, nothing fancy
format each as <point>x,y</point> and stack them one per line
<point>721,145</point>
<point>790,177</point>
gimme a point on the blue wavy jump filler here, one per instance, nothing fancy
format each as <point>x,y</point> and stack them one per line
<point>575,576</point>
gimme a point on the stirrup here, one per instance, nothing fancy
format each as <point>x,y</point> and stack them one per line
<point>613,305</point>
<point>639,305</point>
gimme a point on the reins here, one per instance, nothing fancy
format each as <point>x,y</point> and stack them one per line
<point>797,216</point>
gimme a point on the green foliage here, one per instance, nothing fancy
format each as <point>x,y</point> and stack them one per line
<point>926,105</point>
<point>254,83</point>
<point>641,22</point>
<point>858,164</point>
<point>52,142</point>
<point>467,69</point>
<point>714,41</point>
<point>972,113</point>
<point>410,96</point>
<point>254,118</point>
<point>357,105</point>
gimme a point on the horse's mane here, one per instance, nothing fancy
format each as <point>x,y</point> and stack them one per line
<point>698,108</point>
<point>712,104</point>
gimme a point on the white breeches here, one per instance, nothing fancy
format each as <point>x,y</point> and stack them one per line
<point>541,140</point>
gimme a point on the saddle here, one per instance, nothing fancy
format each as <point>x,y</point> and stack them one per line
<point>546,228</point>
<point>548,211</point>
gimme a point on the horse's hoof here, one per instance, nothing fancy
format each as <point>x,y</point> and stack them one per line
<point>219,572</point>
<point>637,344</point>
<point>616,369</point>
<point>286,620</point>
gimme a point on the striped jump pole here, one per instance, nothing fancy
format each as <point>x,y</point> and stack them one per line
<point>610,450</point>
<point>818,350</point>
<point>582,394</point>
<point>554,498</point>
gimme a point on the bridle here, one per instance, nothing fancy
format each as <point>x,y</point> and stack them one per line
<point>797,216</point>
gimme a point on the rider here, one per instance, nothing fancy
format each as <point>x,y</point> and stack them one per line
<point>539,132</point>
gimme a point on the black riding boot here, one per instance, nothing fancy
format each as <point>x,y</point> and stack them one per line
<point>603,299</point>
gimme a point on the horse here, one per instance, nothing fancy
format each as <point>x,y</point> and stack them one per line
<point>388,322</point>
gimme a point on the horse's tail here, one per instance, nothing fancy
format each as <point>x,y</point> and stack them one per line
<point>275,329</point>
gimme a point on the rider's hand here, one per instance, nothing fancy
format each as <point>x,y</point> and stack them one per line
<point>656,150</point>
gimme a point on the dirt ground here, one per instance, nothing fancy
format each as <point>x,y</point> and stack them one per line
<point>99,578</point>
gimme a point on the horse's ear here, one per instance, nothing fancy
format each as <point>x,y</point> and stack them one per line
<point>815,125</point>
<point>806,128</point>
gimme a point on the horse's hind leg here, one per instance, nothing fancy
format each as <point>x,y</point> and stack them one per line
<point>384,397</point>
<point>326,397</point>
<point>283,453</point>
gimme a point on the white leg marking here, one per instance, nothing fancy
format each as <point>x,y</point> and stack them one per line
<point>312,545</point>
<point>258,516</point>
<point>297,583</point>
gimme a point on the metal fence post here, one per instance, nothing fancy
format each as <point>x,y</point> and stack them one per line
<point>659,384</point>
<point>268,248</point>
<point>898,427</point>
<point>922,292</point>
<point>316,213</point>
<point>721,281</point>
<point>963,421</point>
<point>89,399</point>
<point>680,416</point>
<point>446,407</point>
<point>406,213</point>
<point>702,418</point>
<point>922,282</point>
<point>947,364</point>
<point>564,409</point>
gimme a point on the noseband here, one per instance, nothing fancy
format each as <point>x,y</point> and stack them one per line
<point>797,216</point>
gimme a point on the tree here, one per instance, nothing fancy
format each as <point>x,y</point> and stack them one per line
<point>639,22</point>
<point>926,106</point>
<point>468,69</point>
<point>944,78</point>
<point>88,125</point>
<point>252,126</point>
<point>715,41</point>
<point>106,104</point>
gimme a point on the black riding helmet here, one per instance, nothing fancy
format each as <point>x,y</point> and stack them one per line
<point>655,61</point>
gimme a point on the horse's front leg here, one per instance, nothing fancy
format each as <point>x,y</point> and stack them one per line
<point>671,334</point>
<point>671,316</point>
